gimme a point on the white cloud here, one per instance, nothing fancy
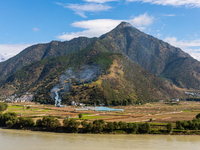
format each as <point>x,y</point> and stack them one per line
<point>88,7</point>
<point>36,29</point>
<point>99,1</point>
<point>95,28</point>
<point>191,47</point>
<point>187,3</point>
<point>142,20</point>
<point>169,15</point>
<point>10,50</point>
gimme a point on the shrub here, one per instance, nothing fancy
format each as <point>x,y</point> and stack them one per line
<point>198,116</point>
<point>144,128</point>
<point>169,127</point>
<point>8,116</point>
<point>110,126</point>
<point>39,123</point>
<point>9,123</point>
<point>3,106</point>
<point>80,115</point>
<point>71,125</point>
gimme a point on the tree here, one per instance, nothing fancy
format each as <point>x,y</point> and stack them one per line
<point>145,128</point>
<point>9,123</point>
<point>110,126</point>
<point>8,116</point>
<point>98,125</point>
<point>122,125</point>
<point>3,106</point>
<point>25,122</point>
<point>178,125</point>
<point>80,115</point>
<point>29,122</point>
<point>130,128</point>
<point>71,125</point>
<point>55,124</point>
<point>135,127</point>
<point>169,127</point>
<point>84,124</point>
<point>39,123</point>
<point>198,116</point>
<point>115,125</point>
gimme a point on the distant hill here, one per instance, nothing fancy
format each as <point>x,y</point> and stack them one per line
<point>42,51</point>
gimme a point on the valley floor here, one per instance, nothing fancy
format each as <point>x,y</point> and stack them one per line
<point>156,112</point>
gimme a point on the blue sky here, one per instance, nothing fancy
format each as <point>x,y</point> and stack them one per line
<point>27,22</point>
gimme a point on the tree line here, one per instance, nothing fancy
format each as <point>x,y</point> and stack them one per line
<point>70,125</point>
<point>189,124</point>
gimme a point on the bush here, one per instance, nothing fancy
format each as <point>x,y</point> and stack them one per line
<point>80,115</point>
<point>3,106</point>
<point>84,124</point>
<point>9,123</point>
<point>39,123</point>
<point>198,116</point>
<point>98,125</point>
<point>122,125</point>
<point>110,126</point>
<point>8,116</point>
<point>169,127</point>
<point>25,122</point>
<point>71,125</point>
<point>144,128</point>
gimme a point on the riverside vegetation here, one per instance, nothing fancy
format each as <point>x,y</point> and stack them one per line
<point>71,125</point>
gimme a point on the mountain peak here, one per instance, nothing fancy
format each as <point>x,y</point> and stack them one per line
<point>124,25</point>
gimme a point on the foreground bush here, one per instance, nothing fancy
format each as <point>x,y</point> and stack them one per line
<point>49,123</point>
<point>3,106</point>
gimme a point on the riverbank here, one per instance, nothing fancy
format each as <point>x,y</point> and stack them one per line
<point>118,132</point>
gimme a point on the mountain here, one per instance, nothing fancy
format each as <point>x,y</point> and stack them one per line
<point>116,81</point>
<point>39,67</point>
<point>150,53</point>
<point>1,58</point>
<point>155,56</point>
<point>42,51</point>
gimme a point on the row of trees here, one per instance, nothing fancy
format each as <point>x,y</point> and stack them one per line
<point>10,119</point>
<point>190,124</point>
<point>50,123</point>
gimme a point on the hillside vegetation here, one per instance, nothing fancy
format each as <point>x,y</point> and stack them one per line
<point>122,81</point>
<point>130,65</point>
<point>41,51</point>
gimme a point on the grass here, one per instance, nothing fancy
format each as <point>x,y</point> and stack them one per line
<point>87,114</point>
<point>15,106</point>
<point>158,124</point>
<point>46,110</point>
<point>186,111</point>
<point>93,117</point>
<point>98,82</point>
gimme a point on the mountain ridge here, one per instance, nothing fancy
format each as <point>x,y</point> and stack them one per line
<point>150,53</point>
<point>42,51</point>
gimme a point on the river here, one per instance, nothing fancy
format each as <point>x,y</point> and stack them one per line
<point>32,140</point>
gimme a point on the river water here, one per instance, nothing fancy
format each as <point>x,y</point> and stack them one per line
<point>31,140</point>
